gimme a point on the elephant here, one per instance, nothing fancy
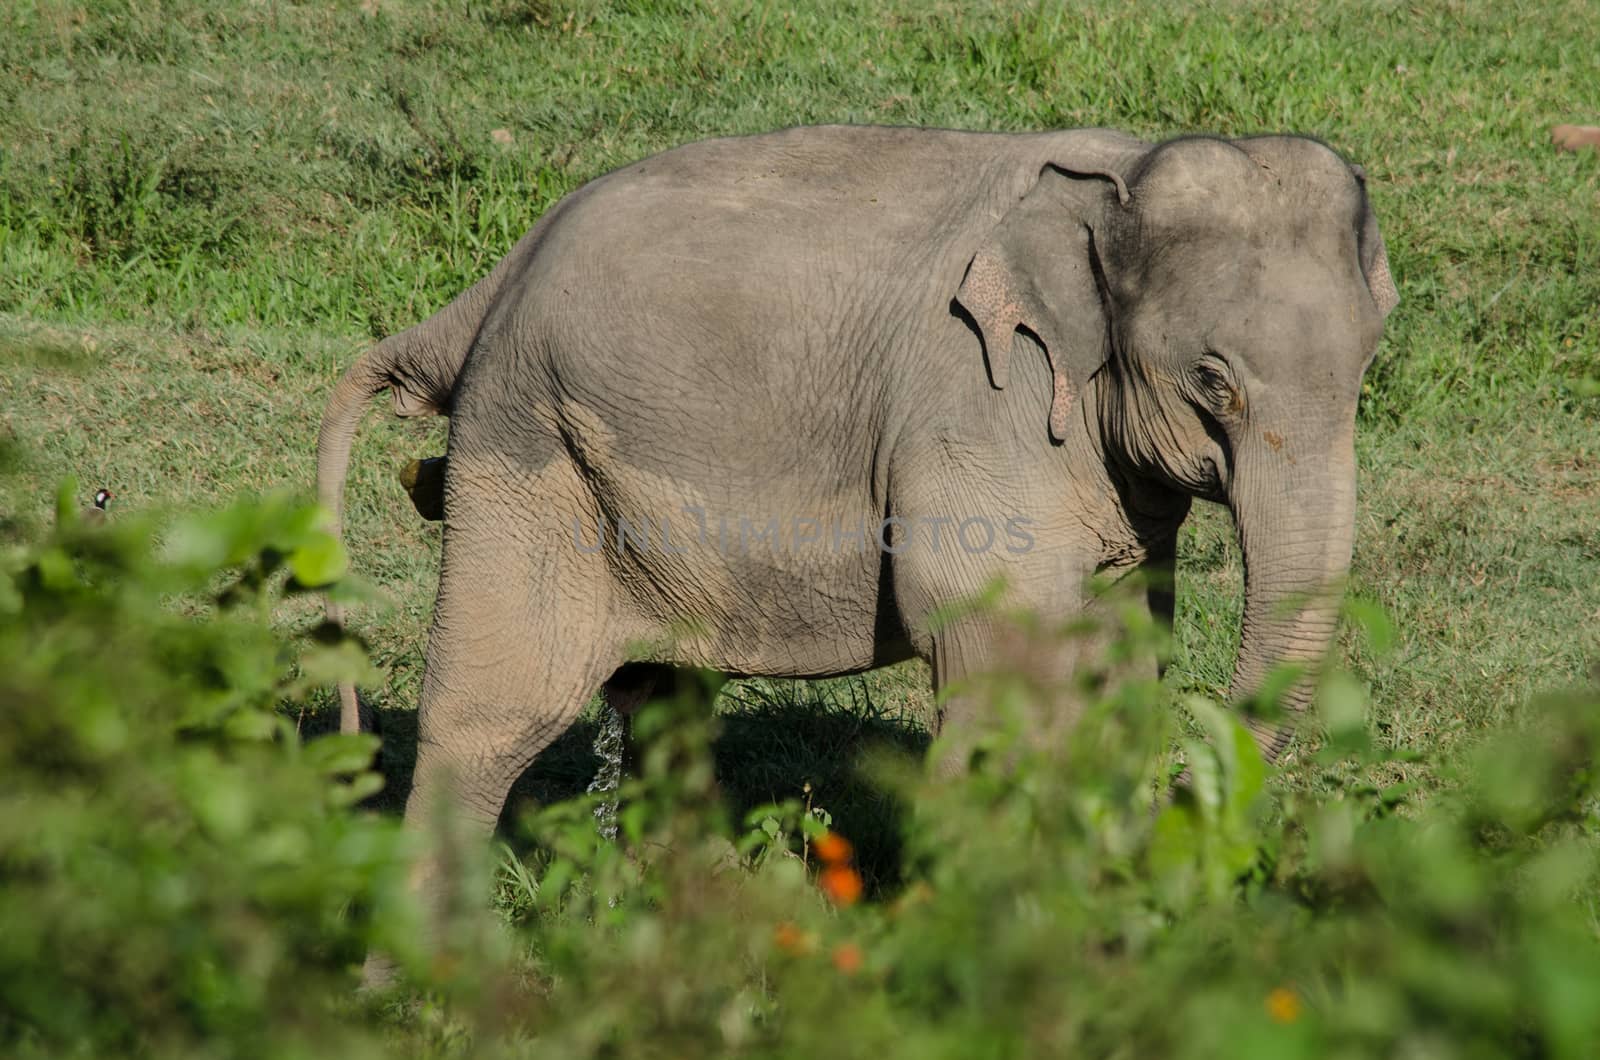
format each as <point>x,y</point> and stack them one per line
<point>771,404</point>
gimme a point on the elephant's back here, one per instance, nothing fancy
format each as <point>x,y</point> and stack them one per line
<point>749,310</point>
<point>741,297</point>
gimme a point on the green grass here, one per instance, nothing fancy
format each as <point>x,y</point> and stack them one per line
<point>207,209</point>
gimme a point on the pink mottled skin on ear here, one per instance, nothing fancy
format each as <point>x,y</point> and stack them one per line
<point>1060,405</point>
<point>987,294</point>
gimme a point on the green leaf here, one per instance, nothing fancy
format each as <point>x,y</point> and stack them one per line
<point>197,542</point>
<point>222,800</point>
<point>985,601</point>
<point>1374,623</point>
<point>10,598</point>
<point>56,571</point>
<point>359,787</point>
<point>1242,772</point>
<point>67,512</point>
<point>339,753</point>
<point>344,660</point>
<point>318,561</point>
<point>1205,777</point>
<point>348,590</point>
<point>1174,850</point>
<point>251,725</point>
<point>1343,703</point>
<point>1395,794</point>
<point>1268,700</point>
<point>1249,772</point>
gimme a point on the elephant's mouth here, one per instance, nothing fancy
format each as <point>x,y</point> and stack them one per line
<point>1204,475</point>
<point>1210,485</point>
<point>1214,463</point>
<point>1170,437</point>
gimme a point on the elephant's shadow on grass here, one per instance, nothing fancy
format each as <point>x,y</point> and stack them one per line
<point>772,743</point>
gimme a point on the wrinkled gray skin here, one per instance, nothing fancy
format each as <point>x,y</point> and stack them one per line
<point>846,324</point>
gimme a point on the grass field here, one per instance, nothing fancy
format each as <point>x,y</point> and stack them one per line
<point>207,210</point>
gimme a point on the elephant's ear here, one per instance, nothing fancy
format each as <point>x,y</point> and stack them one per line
<point>1036,272</point>
<point>1374,258</point>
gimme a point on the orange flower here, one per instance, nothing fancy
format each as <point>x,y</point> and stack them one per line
<point>1283,1005</point>
<point>847,958</point>
<point>832,848</point>
<point>790,939</point>
<point>841,884</point>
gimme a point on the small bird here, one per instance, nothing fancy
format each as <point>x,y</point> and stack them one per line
<point>96,515</point>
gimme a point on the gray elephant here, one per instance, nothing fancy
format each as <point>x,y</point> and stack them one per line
<point>768,404</point>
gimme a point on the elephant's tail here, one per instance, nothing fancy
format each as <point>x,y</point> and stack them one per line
<point>422,375</point>
<point>421,365</point>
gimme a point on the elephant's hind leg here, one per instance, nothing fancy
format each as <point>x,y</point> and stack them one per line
<point>521,640</point>
<point>519,644</point>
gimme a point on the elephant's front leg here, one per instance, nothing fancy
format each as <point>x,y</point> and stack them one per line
<point>1001,660</point>
<point>1161,591</point>
<point>1001,674</point>
<point>1029,672</point>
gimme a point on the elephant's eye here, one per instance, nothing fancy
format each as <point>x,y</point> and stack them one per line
<point>1215,383</point>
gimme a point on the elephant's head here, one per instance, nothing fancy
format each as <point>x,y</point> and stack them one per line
<point>1227,297</point>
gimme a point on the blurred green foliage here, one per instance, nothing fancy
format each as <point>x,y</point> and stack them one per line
<point>181,874</point>
<point>177,869</point>
<point>1057,903</point>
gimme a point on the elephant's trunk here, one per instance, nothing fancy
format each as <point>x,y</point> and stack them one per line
<point>1294,505</point>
